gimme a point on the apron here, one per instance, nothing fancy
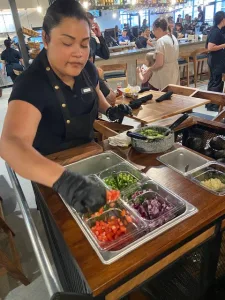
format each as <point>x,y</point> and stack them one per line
<point>79,129</point>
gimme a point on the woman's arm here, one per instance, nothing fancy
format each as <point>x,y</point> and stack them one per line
<point>140,75</point>
<point>213,47</point>
<point>16,142</point>
<point>159,62</point>
<point>149,42</point>
<point>103,104</point>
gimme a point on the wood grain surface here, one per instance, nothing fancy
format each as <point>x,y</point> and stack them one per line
<point>102,277</point>
<point>74,154</point>
<point>153,111</point>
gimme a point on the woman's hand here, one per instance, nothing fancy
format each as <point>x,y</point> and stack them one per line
<point>149,42</point>
<point>138,70</point>
<point>118,112</point>
<point>146,74</point>
<point>96,29</point>
<point>80,192</point>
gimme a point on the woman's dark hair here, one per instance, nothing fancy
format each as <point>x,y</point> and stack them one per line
<point>90,16</point>
<point>61,9</point>
<point>218,18</point>
<point>161,23</point>
<point>7,43</point>
<point>181,26</point>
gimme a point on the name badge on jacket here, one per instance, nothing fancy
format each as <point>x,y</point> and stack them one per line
<point>86,90</point>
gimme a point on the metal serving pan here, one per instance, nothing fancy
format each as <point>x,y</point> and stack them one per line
<point>212,170</point>
<point>108,257</point>
<point>182,160</point>
<point>95,164</point>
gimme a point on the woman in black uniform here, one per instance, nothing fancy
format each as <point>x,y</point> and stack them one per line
<point>12,60</point>
<point>53,106</point>
<point>216,58</point>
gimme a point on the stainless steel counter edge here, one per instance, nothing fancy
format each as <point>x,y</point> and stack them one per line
<point>51,281</point>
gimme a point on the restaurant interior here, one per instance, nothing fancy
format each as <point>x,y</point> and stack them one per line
<point>165,164</point>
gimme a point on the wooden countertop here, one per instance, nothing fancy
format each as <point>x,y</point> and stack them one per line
<point>153,111</point>
<point>102,277</point>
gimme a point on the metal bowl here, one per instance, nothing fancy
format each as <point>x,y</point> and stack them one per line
<point>157,145</point>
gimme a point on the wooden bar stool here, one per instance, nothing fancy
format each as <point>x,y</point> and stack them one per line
<point>115,72</point>
<point>198,57</point>
<point>183,62</point>
<point>12,267</point>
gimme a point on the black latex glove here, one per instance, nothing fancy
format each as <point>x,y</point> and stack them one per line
<point>118,112</point>
<point>80,192</point>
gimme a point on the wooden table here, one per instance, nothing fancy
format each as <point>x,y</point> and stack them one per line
<point>153,111</point>
<point>115,280</point>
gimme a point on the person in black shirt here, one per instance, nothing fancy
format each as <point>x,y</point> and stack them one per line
<point>141,41</point>
<point>144,25</point>
<point>216,59</point>
<point>12,61</point>
<point>200,14</point>
<point>53,106</point>
<point>98,45</point>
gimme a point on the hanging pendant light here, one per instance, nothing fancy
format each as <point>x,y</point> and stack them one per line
<point>39,7</point>
<point>4,22</point>
<point>28,21</point>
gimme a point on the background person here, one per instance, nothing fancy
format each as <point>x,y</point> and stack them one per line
<point>165,69</point>
<point>124,39</point>
<point>97,43</point>
<point>11,60</point>
<point>216,58</point>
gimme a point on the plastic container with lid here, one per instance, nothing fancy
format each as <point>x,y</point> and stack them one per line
<point>206,178</point>
<point>121,176</point>
<point>131,227</point>
<point>155,204</point>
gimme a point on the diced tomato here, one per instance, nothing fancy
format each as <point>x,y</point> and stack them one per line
<point>123,229</point>
<point>129,219</point>
<point>111,229</point>
<point>112,195</point>
<point>101,210</point>
<point>123,213</point>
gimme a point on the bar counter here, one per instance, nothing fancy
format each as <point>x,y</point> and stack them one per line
<point>130,56</point>
<point>82,273</point>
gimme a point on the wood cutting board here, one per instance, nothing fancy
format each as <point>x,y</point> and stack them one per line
<point>72,155</point>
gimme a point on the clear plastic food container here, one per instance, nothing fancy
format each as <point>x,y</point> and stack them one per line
<point>121,176</point>
<point>115,228</point>
<point>155,204</point>
<point>207,176</point>
<point>109,205</point>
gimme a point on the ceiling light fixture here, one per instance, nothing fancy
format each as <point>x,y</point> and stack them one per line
<point>85,4</point>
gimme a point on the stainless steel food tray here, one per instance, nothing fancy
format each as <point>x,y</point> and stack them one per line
<point>95,164</point>
<point>210,170</point>
<point>182,160</point>
<point>108,257</point>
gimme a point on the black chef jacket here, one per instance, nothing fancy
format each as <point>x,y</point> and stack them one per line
<point>11,56</point>
<point>33,86</point>
<point>216,58</point>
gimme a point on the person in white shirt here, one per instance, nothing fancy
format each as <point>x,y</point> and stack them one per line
<point>165,69</point>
